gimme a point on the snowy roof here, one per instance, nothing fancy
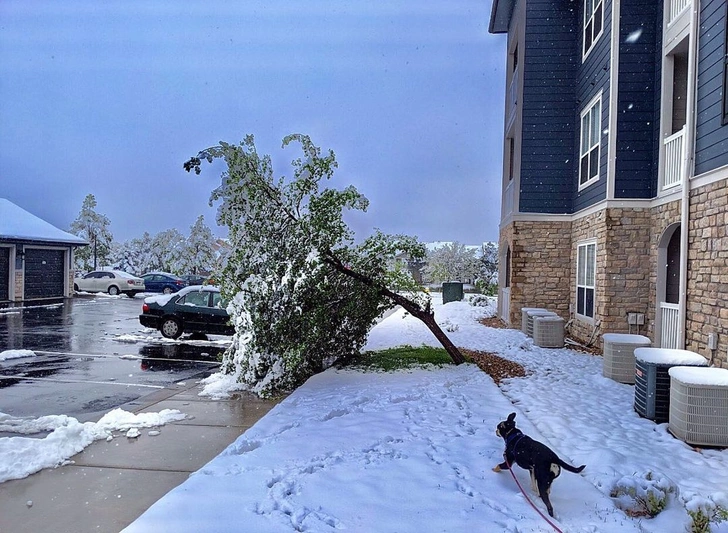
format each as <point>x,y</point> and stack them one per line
<point>699,375</point>
<point>17,224</point>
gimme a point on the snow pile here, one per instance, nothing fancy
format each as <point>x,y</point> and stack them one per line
<point>22,456</point>
<point>412,451</point>
<point>15,354</point>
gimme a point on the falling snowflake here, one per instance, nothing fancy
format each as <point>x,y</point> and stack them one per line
<point>634,36</point>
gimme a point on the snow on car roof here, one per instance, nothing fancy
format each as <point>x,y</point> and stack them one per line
<point>163,299</point>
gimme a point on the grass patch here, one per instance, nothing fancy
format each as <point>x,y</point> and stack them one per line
<point>400,358</point>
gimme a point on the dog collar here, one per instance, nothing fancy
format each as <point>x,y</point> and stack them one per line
<point>513,436</point>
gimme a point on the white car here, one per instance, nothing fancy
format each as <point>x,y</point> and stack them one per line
<point>111,281</point>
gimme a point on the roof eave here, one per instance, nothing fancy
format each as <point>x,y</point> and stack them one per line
<point>500,16</point>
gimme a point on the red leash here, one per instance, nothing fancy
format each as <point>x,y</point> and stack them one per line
<point>529,499</point>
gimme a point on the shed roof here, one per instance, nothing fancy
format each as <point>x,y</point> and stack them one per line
<point>16,224</point>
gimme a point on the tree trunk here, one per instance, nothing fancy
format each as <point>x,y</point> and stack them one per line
<point>426,315</point>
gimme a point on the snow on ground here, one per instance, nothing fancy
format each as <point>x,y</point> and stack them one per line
<point>22,456</point>
<point>15,354</point>
<point>412,451</point>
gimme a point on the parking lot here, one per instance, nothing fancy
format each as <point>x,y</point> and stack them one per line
<point>92,355</point>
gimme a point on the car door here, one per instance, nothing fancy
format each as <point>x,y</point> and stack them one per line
<point>193,308</point>
<point>219,318</point>
<point>89,282</point>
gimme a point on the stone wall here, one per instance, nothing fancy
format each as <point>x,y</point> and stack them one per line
<point>707,305</point>
<point>540,266</point>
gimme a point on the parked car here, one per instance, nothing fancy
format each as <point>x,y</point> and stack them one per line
<point>194,279</point>
<point>163,282</point>
<point>196,309</point>
<point>111,281</point>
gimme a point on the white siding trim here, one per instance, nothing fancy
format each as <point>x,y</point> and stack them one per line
<point>613,102</point>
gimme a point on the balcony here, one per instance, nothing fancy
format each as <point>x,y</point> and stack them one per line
<point>675,9</point>
<point>674,160</point>
<point>508,199</point>
<point>512,100</point>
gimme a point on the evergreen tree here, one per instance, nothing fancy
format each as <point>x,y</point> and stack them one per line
<point>198,255</point>
<point>94,227</point>
<point>303,296</point>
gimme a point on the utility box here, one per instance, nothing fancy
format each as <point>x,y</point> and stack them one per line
<point>699,405</point>
<point>652,379</point>
<point>452,291</point>
<point>619,350</point>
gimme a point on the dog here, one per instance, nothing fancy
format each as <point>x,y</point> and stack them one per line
<point>534,456</point>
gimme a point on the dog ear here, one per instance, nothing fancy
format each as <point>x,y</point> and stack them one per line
<point>511,417</point>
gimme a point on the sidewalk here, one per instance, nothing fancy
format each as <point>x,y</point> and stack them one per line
<point>111,483</point>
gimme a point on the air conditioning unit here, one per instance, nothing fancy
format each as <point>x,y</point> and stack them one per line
<point>548,331</point>
<point>524,317</point>
<point>618,357</point>
<point>699,405</point>
<point>530,315</point>
<point>652,381</point>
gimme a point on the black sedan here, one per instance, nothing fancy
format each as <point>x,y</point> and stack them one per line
<point>196,309</point>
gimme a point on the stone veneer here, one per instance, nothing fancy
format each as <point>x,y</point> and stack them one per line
<point>543,268</point>
<point>707,302</point>
<point>540,268</point>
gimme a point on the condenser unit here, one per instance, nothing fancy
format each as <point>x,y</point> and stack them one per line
<point>530,315</point>
<point>618,357</point>
<point>548,331</point>
<point>652,381</point>
<point>699,405</point>
<point>524,317</point>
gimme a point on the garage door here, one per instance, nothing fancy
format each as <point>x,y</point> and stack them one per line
<point>4,273</point>
<point>45,273</point>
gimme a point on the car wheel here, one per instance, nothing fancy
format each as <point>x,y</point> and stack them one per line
<point>113,290</point>
<point>167,290</point>
<point>171,328</point>
<point>75,288</point>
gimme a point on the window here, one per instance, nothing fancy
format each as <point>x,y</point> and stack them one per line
<point>590,134</point>
<point>198,298</point>
<point>593,23</point>
<point>586,263</point>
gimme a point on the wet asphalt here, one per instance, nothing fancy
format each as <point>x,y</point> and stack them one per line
<point>92,355</point>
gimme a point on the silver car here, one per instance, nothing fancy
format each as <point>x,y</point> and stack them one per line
<point>111,281</point>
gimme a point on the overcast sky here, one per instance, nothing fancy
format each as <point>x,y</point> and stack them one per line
<point>110,98</point>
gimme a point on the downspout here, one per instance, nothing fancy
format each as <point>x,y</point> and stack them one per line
<point>687,170</point>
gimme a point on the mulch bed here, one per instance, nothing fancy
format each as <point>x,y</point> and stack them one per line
<point>496,367</point>
<point>493,322</point>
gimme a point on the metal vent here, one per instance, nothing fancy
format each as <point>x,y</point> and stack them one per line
<point>619,361</point>
<point>548,331</point>
<point>524,317</point>
<point>699,411</point>
<point>530,315</point>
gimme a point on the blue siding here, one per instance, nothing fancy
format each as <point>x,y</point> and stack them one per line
<point>637,126</point>
<point>592,78</point>
<point>547,150</point>
<point>711,138</point>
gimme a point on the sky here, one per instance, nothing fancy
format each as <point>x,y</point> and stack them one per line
<point>413,450</point>
<point>111,98</point>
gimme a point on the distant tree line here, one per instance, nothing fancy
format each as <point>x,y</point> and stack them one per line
<point>169,250</point>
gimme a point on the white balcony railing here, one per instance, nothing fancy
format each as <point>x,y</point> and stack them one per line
<point>505,304</point>
<point>674,159</point>
<point>508,199</point>
<point>675,8</point>
<point>512,97</point>
<point>669,334</point>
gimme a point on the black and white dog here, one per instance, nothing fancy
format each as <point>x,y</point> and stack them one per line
<point>539,459</point>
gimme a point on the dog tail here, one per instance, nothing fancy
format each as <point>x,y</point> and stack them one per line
<point>570,468</point>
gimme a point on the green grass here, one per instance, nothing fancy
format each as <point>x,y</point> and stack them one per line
<point>400,358</point>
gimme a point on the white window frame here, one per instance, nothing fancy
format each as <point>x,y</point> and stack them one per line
<point>586,253</point>
<point>593,16</point>
<point>590,140</point>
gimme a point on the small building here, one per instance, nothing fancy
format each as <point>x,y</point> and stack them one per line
<point>36,258</point>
